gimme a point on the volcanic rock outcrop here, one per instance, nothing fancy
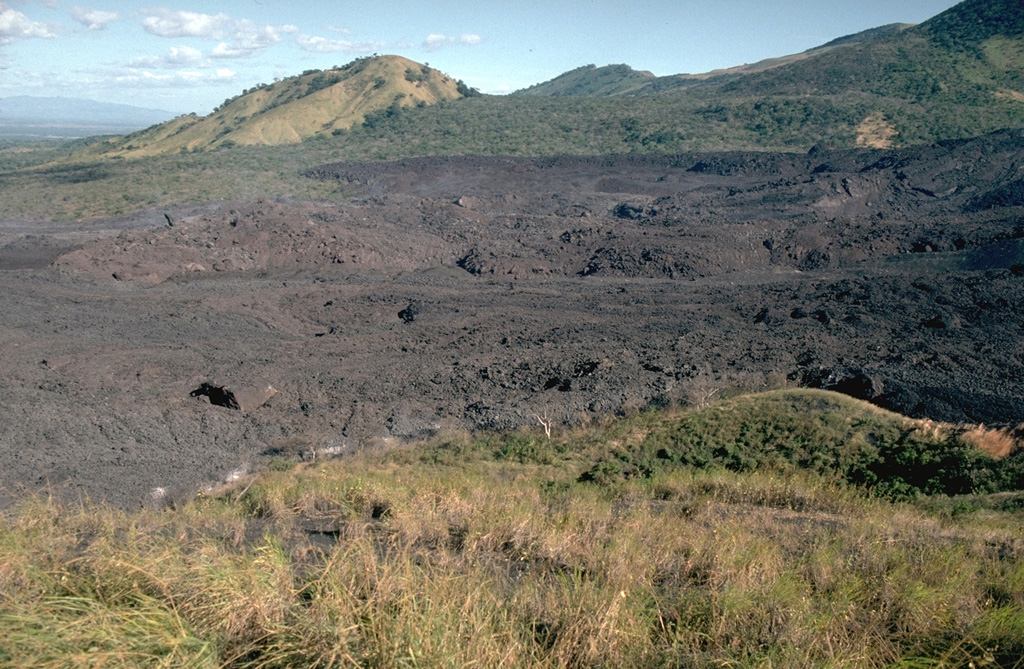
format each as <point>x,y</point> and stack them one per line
<point>476,293</point>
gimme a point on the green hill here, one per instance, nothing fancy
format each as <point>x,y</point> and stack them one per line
<point>612,80</point>
<point>316,103</point>
<point>958,74</point>
<point>868,35</point>
<point>921,84</point>
<point>975,21</point>
<point>592,80</point>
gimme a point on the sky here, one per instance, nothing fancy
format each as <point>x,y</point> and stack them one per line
<point>187,57</point>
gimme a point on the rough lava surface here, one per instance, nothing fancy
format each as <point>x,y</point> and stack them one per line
<point>473,293</point>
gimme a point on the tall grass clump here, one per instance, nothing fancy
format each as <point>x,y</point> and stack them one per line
<point>490,550</point>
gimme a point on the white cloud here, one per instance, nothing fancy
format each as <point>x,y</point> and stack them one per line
<point>436,41</point>
<point>225,50</point>
<point>179,56</point>
<point>93,19</point>
<point>175,24</point>
<point>143,78</point>
<point>239,38</point>
<point>14,26</point>
<point>324,45</point>
<point>251,37</point>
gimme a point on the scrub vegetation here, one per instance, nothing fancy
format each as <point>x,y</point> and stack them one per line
<point>957,75</point>
<point>508,550</point>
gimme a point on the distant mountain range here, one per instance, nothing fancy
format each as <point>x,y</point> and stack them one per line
<point>976,46</point>
<point>621,79</point>
<point>958,74</point>
<point>27,116</point>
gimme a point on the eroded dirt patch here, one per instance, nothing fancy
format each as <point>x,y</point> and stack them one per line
<point>875,132</point>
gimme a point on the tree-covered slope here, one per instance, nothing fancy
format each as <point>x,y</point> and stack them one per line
<point>973,22</point>
<point>958,74</point>
<point>592,80</point>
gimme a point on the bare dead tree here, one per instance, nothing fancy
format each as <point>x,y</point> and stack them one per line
<point>545,422</point>
<point>703,393</point>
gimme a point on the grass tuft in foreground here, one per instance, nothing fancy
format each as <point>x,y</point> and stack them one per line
<point>492,551</point>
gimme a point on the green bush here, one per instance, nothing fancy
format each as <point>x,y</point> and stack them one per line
<point>786,431</point>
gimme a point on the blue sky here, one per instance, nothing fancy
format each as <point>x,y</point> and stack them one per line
<point>190,56</point>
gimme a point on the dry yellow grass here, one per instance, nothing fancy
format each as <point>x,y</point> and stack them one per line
<point>485,566</point>
<point>292,110</point>
<point>1008,94</point>
<point>455,553</point>
<point>875,132</point>
<point>997,443</point>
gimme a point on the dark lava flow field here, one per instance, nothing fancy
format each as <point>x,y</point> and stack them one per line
<point>452,293</point>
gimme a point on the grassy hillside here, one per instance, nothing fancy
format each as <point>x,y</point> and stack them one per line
<point>317,103</point>
<point>505,550</point>
<point>958,75</point>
